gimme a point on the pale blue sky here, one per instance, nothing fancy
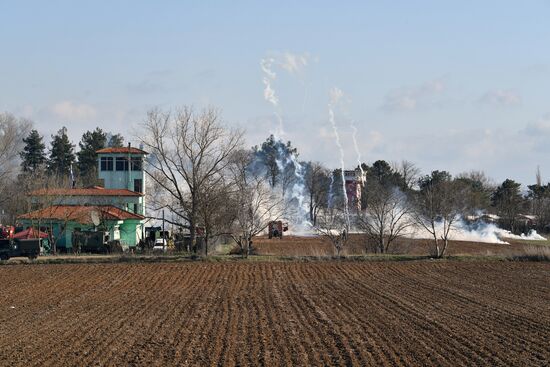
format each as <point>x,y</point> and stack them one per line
<point>449,85</point>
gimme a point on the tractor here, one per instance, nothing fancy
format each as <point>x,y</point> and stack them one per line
<point>276,228</point>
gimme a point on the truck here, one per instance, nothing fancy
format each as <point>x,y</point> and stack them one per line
<point>95,242</point>
<point>276,228</point>
<point>25,243</point>
<point>10,247</point>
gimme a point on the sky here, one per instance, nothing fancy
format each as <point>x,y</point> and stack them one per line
<point>453,85</point>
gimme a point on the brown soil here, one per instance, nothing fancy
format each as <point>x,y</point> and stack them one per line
<point>357,245</point>
<point>438,313</point>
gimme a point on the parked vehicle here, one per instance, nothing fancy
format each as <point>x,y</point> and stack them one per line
<point>276,228</point>
<point>161,245</point>
<point>95,242</point>
<point>19,247</point>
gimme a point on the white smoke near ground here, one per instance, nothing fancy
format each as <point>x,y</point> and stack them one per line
<point>474,232</point>
<point>297,209</point>
<point>335,96</point>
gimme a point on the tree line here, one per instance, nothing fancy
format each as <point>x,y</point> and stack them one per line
<point>201,173</point>
<point>61,156</point>
<point>26,163</point>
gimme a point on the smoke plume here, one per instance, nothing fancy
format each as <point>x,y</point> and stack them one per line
<point>335,96</point>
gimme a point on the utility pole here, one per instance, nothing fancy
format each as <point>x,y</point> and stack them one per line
<point>164,243</point>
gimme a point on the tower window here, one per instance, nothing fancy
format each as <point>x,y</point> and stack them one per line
<point>136,164</point>
<point>121,164</point>
<point>138,185</point>
<point>106,163</point>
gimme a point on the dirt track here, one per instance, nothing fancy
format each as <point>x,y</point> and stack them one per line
<point>278,313</point>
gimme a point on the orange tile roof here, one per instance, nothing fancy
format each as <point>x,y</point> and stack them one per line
<point>125,150</point>
<point>80,213</point>
<point>89,191</point>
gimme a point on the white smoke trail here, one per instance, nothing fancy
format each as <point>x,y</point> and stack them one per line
<point>297,208</point>
<point>329,198</point>
<point>356,146</point>
<point>269,93</point>
<point>294,64</point>
<point>269,77</point>
<point>335,95</point>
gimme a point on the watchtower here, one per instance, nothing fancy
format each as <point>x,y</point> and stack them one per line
<point>122,168</point>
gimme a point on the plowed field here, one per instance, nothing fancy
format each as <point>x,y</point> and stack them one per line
<point>438,313</point>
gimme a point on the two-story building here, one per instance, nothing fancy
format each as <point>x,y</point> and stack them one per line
<point>117,207</point>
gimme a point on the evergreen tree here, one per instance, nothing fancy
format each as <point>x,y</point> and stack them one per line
<point>61,154</point>
<point>507,199</point>
<point>382,173</point>
<point>91,142</point>
<point>33,155</point>
<point>115,140</point>
<point>276,156</point>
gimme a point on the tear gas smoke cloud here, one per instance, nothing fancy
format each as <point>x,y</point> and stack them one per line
<point>475,232</point>
<point>335,96</point>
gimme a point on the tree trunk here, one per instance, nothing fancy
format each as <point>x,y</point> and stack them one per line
<point>445,244</point>
<point>436,243</point>
<point>193,223</point>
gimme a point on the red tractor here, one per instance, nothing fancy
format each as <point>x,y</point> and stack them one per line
<point>276,228</point>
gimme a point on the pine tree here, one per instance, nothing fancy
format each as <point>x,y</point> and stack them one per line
<point>507,199</point>
<point>61,154</point>
<point>91,142</point>
<point>33,155</point>
<point>115,140</point>
<point>274,154</point>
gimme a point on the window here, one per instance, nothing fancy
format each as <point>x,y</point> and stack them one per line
<point>106,163</point>
<point>121,164</point>
<point>136,163</point>
<point>136,208</point>
<point>138,185</point>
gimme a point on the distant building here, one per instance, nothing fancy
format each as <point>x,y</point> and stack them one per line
<point>117,207</point>
<point>122,168</point>
<point>355,181</point>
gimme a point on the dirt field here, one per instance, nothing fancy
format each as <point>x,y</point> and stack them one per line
<point>276,313</point>
<point>320,246</point>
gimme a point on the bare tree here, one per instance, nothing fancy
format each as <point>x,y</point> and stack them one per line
<point>333,225</point>
<point>408,171</point>
<point>439,207</point>
<point>254,203</point>
<point>12,133</point>
<point>215,212</point>
<point>187,150</point>
<point>317,182</point>
<point>386,217</point>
